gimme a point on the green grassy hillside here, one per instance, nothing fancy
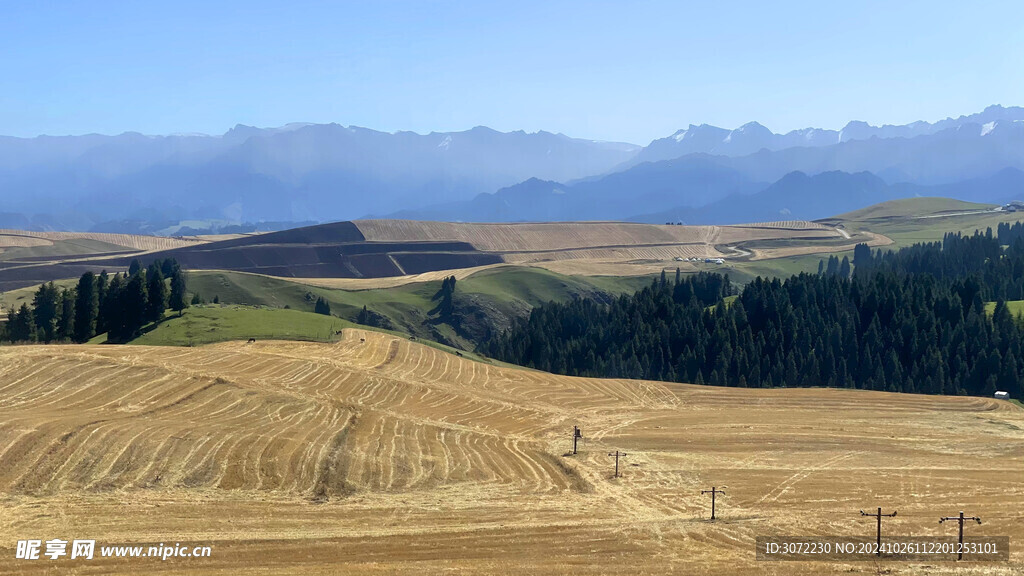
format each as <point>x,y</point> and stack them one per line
<point>917,220</point>
<point>213,323</point>
<point>487,300</point>
<point>909,207</point>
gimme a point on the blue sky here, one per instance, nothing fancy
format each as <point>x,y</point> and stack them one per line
<point>629,71</point>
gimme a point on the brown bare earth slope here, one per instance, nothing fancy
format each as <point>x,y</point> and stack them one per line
<point>377,455</point>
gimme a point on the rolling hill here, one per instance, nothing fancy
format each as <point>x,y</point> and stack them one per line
<point>379,455</point>
<point>396,248</point>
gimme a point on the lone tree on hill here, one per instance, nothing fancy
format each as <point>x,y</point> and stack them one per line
<point>322,307</point>
<point>446,307</point>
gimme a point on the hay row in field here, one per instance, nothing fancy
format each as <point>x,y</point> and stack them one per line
<point>264,418</point>
<point>380,455</point>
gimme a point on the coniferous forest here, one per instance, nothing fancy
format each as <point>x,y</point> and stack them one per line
<point>913,320</point>
<point>119,305</point>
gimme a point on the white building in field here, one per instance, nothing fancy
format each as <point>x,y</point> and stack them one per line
<point>1002,395</point>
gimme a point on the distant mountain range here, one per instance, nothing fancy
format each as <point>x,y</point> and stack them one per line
<point>962,159</point>
<point>753,137</point>
<point>298,172</point>
<point>323,172</point>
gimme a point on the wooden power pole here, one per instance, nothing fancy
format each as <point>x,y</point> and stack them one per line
<point>576,435</point>
<point>617,454</point>
<point>960,519</point>
<point>878,515</point>
<point>714,491</point>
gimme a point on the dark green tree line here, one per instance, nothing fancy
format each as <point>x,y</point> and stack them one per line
<point>119,306</point>
<point>909,321</point>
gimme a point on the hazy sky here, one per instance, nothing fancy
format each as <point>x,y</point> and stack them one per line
<point>624,70</point>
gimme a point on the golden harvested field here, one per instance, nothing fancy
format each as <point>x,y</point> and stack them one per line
<point>563,236</point>
<point>377,455</point>
<point>20,240</point>
<point>621,254</point>
<point>11,238</point>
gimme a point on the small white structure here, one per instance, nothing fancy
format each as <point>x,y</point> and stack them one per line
<point>1002,395</point>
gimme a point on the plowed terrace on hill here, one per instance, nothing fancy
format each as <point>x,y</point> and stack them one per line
<point>379,455</point>
<point>530,242</point>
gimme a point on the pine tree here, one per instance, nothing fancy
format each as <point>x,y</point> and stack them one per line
<point>102,285</point>
<point>178,301</point>
<point>111,309</point>
<point>66,321</point>
<point>134,307</point>
<point>22,325</point>
<point>87,307</point>
<point>322,306</point>
<point>46,310</point>
<point>156,295</point>
<point>844,267</point>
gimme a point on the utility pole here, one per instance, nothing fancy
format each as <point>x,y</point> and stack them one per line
<point>576,435</point>
<point>879,516</point>
<point>617,454</point>
<point>714,491</point>
<point>960,519</point>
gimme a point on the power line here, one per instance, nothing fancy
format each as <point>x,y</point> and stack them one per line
<point>617,454</point>
<point>714,491</point>
<point>960,519</point>
<point>879,516</point>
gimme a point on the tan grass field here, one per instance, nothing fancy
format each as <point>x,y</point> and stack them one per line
<point>863,236</point>
<point>377,455</point>
<point>545,237</point>
<point>15,238</point>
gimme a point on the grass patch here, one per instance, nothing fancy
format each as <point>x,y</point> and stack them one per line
<point>917,220</point>
<point>533,286</point>
<point>501,293</point>
<point>212,323</point>
<point>1016,307</point>
<point>744,272</point>
<point>912,207</point>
